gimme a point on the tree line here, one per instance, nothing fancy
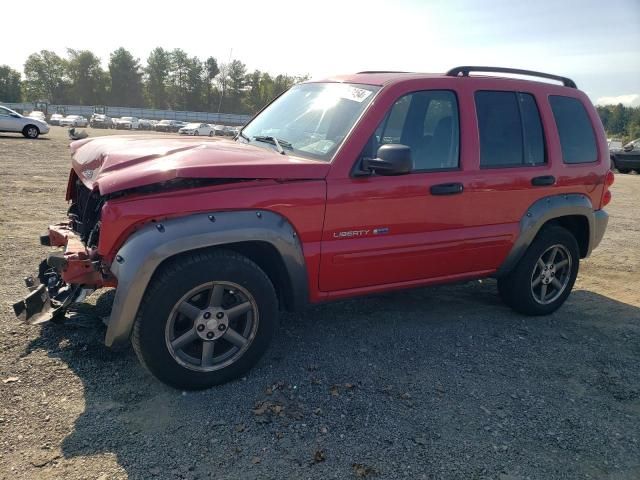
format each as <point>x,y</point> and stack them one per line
<point>170,79</point>
<point>621,122</point>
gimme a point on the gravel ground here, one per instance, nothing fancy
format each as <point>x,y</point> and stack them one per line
<point>439,383</point>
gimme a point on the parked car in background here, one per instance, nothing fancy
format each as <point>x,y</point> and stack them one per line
<point>168,126</point>
<point>99,120</point>
<point>197,129</point>
<point>11,121</point>
<point>127,123</point>
<point>55,119</point>
<point>229,131</point>
<point>38,114</point>
<point>218,130</point>
<point>74,121</point>
<point>628,158</point>
<point>144,124</point>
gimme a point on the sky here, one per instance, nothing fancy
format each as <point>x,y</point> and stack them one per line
<point>594,42</point>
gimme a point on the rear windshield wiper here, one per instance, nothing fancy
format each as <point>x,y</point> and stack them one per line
<point>275,141</point>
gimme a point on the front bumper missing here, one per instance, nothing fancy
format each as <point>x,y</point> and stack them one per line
<point>36,307</point>
<point>65,277</point>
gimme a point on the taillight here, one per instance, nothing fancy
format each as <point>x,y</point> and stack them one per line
<point>608,181</point>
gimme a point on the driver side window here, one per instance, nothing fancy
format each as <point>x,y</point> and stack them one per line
<point>428,123</point>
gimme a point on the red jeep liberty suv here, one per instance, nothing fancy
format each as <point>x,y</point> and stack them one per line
<point>349,186</point>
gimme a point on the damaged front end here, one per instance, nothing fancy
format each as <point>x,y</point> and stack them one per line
<point>74,269</point>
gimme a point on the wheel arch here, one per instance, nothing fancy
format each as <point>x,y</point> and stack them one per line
<point>265,237</point>
<point>572,211</point>
<point>24,129</point>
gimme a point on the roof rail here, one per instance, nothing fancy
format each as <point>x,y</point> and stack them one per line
<point>381,71</point>
<point>464,71</point>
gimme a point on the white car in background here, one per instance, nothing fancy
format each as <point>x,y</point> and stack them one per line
<point>74,121</point>
<point>127,123</point>
<point>55,119</point>
<point>11,121</point>
<point>197,129</point>
<point>39,115</point>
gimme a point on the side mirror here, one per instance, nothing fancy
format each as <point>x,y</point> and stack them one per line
<point>392,159</point>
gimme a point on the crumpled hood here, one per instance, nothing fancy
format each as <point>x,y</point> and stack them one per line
<point>115,163</point>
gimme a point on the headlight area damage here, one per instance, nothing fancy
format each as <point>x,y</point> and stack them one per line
<point>73,271</point>
<point>115,168</point>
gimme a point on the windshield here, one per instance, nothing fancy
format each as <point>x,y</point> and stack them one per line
<point>311,119</point>
<point>127,119</point>
<point>192,125</point>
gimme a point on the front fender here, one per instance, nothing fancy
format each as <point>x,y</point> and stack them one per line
<point>140,256</point>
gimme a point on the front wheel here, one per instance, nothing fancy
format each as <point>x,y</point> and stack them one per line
<point>31,131</point>
<point>544,276</point>
<point>205,319</point>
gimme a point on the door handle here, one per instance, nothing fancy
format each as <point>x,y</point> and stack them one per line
<point>446,189</point>
<point>543,181</point>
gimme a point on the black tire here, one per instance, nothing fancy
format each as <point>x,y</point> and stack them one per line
<point>195,133</point>
<point>167,290</point>
<point>623,170</point>
<point>31,132</point>
<point>516,288</point>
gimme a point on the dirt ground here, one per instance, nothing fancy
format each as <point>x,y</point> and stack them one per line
<point>439,383</point>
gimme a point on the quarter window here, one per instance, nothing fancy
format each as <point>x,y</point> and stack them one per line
<point>510,129</point>
<point>577,139</point>
<point>427,122</point>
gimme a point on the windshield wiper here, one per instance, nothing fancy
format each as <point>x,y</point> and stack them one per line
<point>275,141</point>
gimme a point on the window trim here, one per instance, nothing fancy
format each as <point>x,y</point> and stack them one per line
<point>387,115</point>
<point>595,135</point>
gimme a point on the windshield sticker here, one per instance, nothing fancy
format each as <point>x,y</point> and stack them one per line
<point>356,94</point>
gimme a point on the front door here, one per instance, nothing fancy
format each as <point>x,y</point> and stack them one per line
<point>7,122</point>
<point>402,230</point>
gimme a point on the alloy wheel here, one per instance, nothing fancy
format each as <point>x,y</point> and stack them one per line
<point>551,274</point>
<point>212,326</point>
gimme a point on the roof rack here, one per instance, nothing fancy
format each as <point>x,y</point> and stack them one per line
<point>464,71</point>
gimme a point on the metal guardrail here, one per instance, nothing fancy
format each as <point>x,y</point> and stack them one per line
<point>148,113</point>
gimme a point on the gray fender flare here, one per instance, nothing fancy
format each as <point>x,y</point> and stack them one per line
<point>548,208</point>
<point>142,253</point>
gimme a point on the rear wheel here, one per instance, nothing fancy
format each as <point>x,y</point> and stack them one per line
<point>544,277</point>
<point>195,133</point>
<point>206,319</point>
<point>31,131</point>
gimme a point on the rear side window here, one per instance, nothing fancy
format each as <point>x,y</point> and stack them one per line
<point>577,139</point>
<point>510,129</point>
